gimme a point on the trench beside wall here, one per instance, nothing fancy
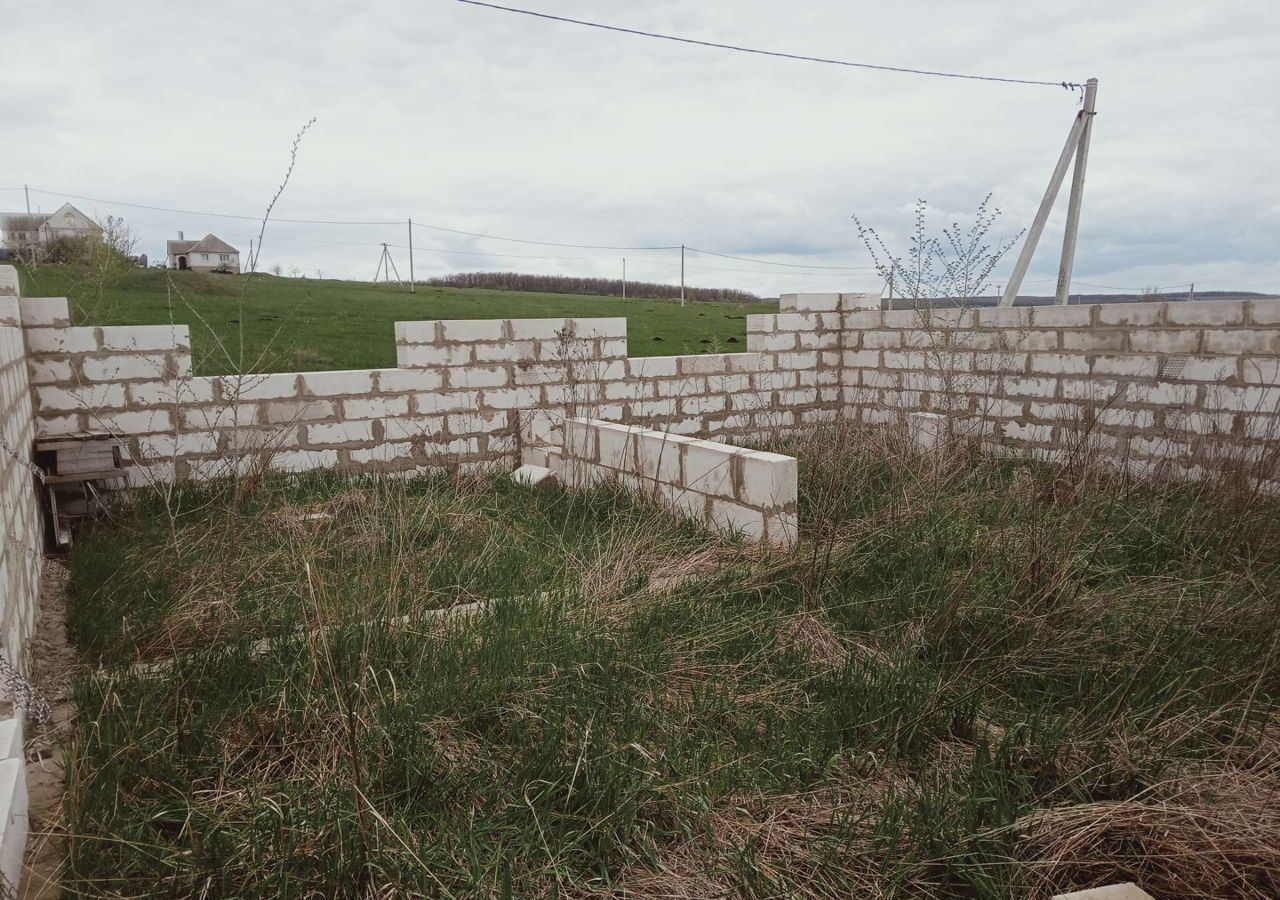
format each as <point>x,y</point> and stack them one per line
<point>23,545</point>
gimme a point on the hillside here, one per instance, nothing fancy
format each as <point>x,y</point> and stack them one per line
<point>285,324</point>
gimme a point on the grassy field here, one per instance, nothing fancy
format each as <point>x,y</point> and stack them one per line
<point>973,679</point>
<point>289,324</point>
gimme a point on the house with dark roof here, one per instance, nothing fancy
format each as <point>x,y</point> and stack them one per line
<point>209,254</point>
<point>29,234</point>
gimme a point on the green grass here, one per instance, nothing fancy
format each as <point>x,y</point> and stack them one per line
<point>289,324</point>
<point>975,680</point>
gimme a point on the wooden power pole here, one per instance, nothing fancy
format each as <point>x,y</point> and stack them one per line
<point>1077,147</point>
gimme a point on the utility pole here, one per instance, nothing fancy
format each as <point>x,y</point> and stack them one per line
<point>1069,149</point>
<point>411,290</point>
<point>26,192</point>
<point>1191,294</point>
<point>386,265</point>
<point>891,288</point>
<point>682,274</point>
<point>624,278</point>
<point>1077,193</point>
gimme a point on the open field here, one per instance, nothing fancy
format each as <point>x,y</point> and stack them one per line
<point>289,324</point>
<point>974,678</point>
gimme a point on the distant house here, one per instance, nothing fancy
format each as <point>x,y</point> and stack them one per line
<point>209,254</point>
<point>28,234</point>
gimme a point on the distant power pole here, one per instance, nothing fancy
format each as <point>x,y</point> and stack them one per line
<point>411,256</point>
<point>682,274</point>
<point>1191,294</point>
<point>624,278</point>
<point>26,192</point>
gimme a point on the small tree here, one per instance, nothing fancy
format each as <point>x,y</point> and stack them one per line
<point>949,271</point>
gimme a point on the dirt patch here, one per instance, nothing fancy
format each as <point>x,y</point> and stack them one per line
<point>54,661</point>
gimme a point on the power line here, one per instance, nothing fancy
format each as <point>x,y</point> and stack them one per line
<point>770,262</point>
<point>494,237</point>
<point>1068,85</point>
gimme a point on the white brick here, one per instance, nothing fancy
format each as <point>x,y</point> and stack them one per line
<point>148,367</point>
<point>62,340</point>
<point>303,460</point>
<point>1059,364</point>
<point>127,423</point>
<point>478,377</point>
<point>700,405</point>
<point>475,423</point>
<point>427,356</point>
<point>415,332</point>
<point>256,387</point>
<point>1261,370</point>
<point>537,329</point>
<point>471,330</point>
<point>733,517</point>
<point>617,446</point>
<point>391,381</point>
<point>653,366</point>
<point>335,384</point>
<point>1165,341</point>
<point>145,337</point>
<point>1243,340</point>
<point>339,432</point>
<point>708,468</point>
<point>44,311</point>
<point>184,391</point>
<point>49,371</point>
<point>1132,314</point>
<point>376,407</point>
<point>769,480</point>
<point>1206,312</point>
<point>511,398</point>
<point>96,396</point>
<point>1133,366</point>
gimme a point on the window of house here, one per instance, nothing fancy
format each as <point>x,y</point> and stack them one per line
<point>224,257</point>
<point>204,257</point>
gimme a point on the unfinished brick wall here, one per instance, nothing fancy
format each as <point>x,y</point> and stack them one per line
<point>1184,386</point>
<point>464,392</point>
<point>23,545</point>
<point>747,492</point>
<point>1169,388</point>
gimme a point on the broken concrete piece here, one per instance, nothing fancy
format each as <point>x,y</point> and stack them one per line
<point>531,475</point>
<point>1126,891</point>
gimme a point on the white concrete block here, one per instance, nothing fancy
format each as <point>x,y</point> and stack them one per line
<point>426,356</point>
<point>11,746</point>
<point>415,332</point>
<point>769,480</point>
<point>738,519</point>
<point>14,824</point>
<point>62,340</point>
<point>46,311</point>
<point>530,475</point>
<point>927,431</point>
<point>478,377</point>
<point>132,338</point>
<point>143,367</point>
<point>470,330</point>
<point>339,432</point>
<point>336,384</point>
<point>708,468</point>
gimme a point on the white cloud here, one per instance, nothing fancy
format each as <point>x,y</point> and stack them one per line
<point>509,125</point>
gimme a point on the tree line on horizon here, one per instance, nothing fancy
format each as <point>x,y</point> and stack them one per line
<point>568,284</point>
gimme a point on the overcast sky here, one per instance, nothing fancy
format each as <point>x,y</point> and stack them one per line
<point>508,125</point>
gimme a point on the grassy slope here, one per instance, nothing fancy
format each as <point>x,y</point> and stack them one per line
<point>290,324</point>
<point>981,680</point>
